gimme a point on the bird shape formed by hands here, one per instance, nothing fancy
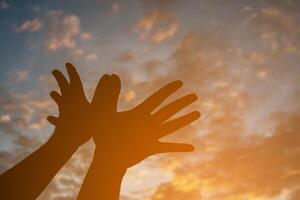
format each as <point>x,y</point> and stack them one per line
<point>126,137</point>
<point>131,136</point>
<point>122,138</point>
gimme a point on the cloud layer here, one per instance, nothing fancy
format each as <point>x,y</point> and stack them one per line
<point>241,58</point>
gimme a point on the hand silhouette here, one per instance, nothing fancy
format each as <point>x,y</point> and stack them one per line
<point>126,138</point>
<point>133,135</point>
<point>28,178</point>
<point>73,109</point>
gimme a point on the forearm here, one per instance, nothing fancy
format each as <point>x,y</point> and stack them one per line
<point>29,178</point>
<point>103,180</point>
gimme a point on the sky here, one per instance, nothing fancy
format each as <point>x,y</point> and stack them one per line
<point>240,57</point>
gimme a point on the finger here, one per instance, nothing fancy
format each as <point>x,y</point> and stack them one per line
<point>179,123</point>
<point>53,120</point>
<point>61,80</point>
<point>56,97</point>
<point>74,77</point>
<point>174,107</point>
<point>114,92</point>
<point>107,93</point>
<point>165,147</point>
<point>158,97</point>
<point>101,90</point>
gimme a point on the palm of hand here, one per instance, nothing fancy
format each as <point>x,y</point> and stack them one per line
<point>134,134</point>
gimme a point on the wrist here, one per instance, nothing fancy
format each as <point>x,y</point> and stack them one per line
<point>59,143</point>
<point>109,163</point>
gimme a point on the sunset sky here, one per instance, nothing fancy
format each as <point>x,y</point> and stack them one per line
<point>240,57</point>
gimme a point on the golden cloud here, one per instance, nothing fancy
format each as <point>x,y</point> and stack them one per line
<point>251,167</point>
<point>274,23</point>
<point>86,36</point>
<point>64,32</point>
<point>157,26</point>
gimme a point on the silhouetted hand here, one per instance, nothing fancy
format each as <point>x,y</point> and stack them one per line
<point>29,177</point>
<point>125,138</point>
<point>73,109</point>
<point>133,135</point>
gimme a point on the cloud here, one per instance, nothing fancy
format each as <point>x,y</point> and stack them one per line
<point>198,59</point>
<point>166,191</point>
<point>240,167</point>
<point>130,95</point>
<point>22,113</point>
<point>165,33</point>
<point>115,7</point>
<point>274,23</point>
<point>125,56</point>
<point>33,25</point>
<point>19,75</point>
<point>203,62</point>
<point>156,26</point>
<point>91,57</point>
<point>86,36</point>
<point>8,125</point>
<point>64,31</point>
<point>27,143</point>
<point>154,68</point>
<point>5,118</point>
<point>231,162</point>
<point>188,52</point>
<point>19,114</point>
<point>23,127</point>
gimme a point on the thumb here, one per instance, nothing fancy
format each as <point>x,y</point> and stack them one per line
<point>101,89</point>
<point>107,93</point>
<point>53,120</point>
<point>114,92</point>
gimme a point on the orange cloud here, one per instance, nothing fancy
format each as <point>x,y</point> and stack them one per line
<point>63,33</point>
<point>230,163</point>
<point>86,36</point>
<point>244,167</point>
<point>91,57</point>
<point>273,23</point>
<point>157,26</point>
